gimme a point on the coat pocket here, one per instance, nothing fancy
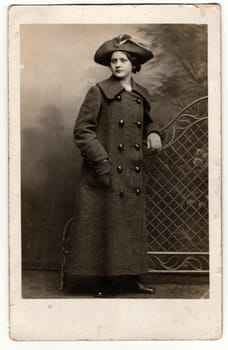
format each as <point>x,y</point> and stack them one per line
<point>93,180</point>
<point>99,181</point>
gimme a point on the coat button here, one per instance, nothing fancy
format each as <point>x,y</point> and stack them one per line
<point>118,98</point>
<point>121,123</point>
<point>121,146</point>
<point>119,169</point>
<point>137,191</point>
<point>137,146</point>
<point>139,124</point>
<point>138,101</point>
<point>137,169</point>
<point>121,193</point>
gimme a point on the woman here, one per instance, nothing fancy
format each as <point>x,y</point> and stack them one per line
<point>109,235</point>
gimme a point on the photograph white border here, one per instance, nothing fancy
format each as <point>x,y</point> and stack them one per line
<point>116,319</point>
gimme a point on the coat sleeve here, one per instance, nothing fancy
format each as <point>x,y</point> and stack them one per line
<point>149,125</point>
<point>85,135</point>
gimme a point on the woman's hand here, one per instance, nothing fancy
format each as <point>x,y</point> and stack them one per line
<point>154,142</point>
<point>104,180</point>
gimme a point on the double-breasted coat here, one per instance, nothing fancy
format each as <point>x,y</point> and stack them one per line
<point>109,234</point>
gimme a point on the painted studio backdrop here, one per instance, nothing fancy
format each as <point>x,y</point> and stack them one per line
<point>57,69</point>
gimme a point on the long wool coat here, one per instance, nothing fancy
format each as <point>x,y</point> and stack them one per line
<point>109,234</point>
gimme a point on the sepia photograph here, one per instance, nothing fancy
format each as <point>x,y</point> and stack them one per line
<point>113,159</point>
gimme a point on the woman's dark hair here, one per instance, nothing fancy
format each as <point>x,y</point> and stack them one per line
<point>136,66</point>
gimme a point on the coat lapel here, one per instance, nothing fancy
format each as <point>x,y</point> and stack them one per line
<point>112,87</point>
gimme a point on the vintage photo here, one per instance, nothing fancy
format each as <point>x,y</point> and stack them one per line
<point>114,157</point>
<point>131,210</point>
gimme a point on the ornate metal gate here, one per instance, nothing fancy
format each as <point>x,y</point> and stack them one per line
<point>177,195</point>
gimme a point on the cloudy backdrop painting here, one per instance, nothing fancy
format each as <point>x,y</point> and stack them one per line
<point>57,69</point>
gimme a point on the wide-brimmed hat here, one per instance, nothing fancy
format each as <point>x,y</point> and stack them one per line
<point>124,42</point>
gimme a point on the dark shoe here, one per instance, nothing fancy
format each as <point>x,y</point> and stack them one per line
<point>132,284</point>
<point>99,294</point>
<point>105,287</point>
<point>105,293</point>
<point>143,289</point>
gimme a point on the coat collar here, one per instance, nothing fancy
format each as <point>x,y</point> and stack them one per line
<point>112,87</point>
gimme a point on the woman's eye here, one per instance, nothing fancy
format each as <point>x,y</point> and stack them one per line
<point>122,60</point>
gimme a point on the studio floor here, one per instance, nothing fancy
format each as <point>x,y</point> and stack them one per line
<point>45,284</point>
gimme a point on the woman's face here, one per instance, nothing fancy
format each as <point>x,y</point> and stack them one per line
<point>120,65</point>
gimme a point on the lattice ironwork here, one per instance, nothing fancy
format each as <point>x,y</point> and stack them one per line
<point>177,194</point>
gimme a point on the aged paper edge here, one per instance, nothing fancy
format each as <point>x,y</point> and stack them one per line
<point>113,319</point>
